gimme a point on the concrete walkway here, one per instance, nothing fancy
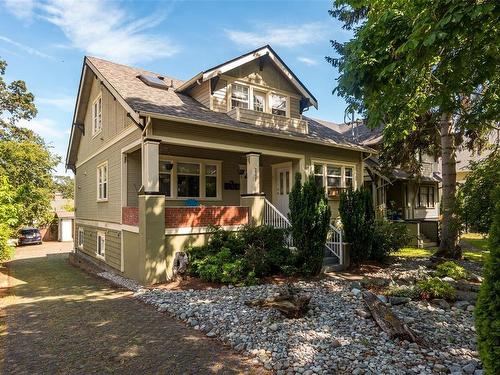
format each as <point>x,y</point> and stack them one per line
<point>59,320</point>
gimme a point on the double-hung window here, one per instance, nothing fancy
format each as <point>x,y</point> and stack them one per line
<point>97,115</point>
<point>80,237</point>
<point>210,180</point>
<point>426,197</point>
<point>102,182</point>
<point>333,178</point>
<point>240,96</point>
<point>259,101</point>
<point>166,167</point>
<point>101,244</point>
<point>188,180</point>
<point>278,105</point>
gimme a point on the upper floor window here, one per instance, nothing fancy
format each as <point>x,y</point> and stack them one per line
<point>97,115</point>
<point>259,100</point>
<point>278,104</point>
<point>426,196</point>
<point>239,96</point>
<point>334,178</point>
<point>102,182</point>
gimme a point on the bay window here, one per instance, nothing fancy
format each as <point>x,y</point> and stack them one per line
<point>278,105</point>
<point>333,178</point>
<point>239,96</point>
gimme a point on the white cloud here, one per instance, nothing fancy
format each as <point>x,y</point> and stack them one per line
<point>45,127</point>
<point>104,29</point>
<point>23,9</point>
<point>25,48</point>
<point>65,103</point>
<point>283,36</point>
<point>308,61</point>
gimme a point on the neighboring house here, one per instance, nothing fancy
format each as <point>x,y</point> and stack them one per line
<point>396,194</point>
<point>158,160</point>
<point>62,226</point>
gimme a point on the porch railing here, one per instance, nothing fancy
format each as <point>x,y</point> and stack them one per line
<point>274,218</point>
<point>334,243</point>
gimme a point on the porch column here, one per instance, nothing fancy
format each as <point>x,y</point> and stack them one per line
<point>151,166</point>
<point>253,173</point>
<point>254,199</point>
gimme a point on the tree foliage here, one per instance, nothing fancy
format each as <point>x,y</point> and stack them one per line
<point>428,71</point>
<point>476,209</point>
<point>310,220</point>
<point>9,209</point>
<point>25,159</point>
<point>65,185</point>
<point>487,312</point>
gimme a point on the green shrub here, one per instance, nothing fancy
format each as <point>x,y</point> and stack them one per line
<point>487,311</point>
<point>310,221</point>
<point>239,257</point>
<point>451,269</point>
<point>388,237</point>
<point>436,288</point>
<point>6,251</point>
<point>357,215</point>
<point>410,291</point>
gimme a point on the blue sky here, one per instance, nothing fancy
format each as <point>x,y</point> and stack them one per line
<point>44,43</point>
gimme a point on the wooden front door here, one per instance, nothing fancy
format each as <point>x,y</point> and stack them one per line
<point>282,187</point>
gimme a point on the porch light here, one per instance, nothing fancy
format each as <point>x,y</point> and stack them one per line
<point>241,171</point>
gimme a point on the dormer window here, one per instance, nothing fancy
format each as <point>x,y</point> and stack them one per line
<point>278,105</point>
<point>259,100</point>
<point>240,96</point>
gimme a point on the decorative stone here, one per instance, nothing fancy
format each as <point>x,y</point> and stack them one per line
<point>398,300</point>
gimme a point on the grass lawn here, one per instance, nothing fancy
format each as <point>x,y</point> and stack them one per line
<point>413,252</point>
<point>480,245</point>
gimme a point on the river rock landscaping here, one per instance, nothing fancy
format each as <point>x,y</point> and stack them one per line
<point>337,335</point>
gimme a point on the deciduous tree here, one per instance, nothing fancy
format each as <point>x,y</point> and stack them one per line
<point>428,71</point>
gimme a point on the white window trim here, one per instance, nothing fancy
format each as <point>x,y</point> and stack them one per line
<point>263,89</point>
<point>339,164</point>
<point>81,233</point>
<point>434,202</point>
<point>98,235</point>
<point>96,131</point>
<point>201,163</point>
<point>250,95</point>
<point>99,166</point>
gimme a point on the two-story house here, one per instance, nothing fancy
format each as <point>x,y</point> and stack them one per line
<point>157,160</point>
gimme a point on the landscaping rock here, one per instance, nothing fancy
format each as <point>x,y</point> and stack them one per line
<point>355,291</point>
<point>398,300</point>
<point>462,305</point>
<point>469,368</point>
<point>441,303</point>
<point>363,313</point>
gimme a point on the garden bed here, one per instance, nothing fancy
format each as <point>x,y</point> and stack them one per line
<point>334,336</point>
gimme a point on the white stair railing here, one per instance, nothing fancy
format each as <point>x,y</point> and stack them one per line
<point>334,242</point>
<point>274,218</point>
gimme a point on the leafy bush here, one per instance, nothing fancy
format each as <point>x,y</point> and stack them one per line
<point>410,291</point>
<point>451,269</point>
<point>357,215</point>
<point>388,237</point>
<point>6,251</point>
<point>310,220</point>
<point>487,311</point>
<point>239,257</point>
<point>436,288</point>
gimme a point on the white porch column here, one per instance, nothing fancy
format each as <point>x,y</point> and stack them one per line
<point>151,166</point>
<point>253,173</point>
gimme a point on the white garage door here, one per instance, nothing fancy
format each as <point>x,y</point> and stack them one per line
<point>66,230</point>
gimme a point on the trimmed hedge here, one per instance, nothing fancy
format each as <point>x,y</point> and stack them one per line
<point>487,312</point>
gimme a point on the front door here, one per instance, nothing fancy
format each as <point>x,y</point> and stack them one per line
<point>282,187</point>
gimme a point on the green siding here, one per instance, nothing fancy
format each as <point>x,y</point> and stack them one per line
<point>112,253</point>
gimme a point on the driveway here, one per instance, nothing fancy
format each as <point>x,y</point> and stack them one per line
<point>61,320</point>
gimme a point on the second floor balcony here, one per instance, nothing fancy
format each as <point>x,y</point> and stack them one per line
<point>268,120</point>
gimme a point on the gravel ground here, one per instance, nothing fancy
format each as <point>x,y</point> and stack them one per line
<point>333,338</point>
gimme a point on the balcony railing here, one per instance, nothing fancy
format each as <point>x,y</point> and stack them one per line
<point>268,120</point>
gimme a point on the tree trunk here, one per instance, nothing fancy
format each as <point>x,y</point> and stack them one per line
<point>449,224</point>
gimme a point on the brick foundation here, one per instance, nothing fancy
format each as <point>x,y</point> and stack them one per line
<point>130,216</point>
<point>182,217</point>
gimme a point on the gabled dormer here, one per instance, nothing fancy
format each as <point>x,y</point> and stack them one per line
<point>256,88</point>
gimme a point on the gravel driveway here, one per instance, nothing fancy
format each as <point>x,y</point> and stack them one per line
<point>60,320</point>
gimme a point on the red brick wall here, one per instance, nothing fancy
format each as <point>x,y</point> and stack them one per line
<point>182,217</point>
<point>130,215</point>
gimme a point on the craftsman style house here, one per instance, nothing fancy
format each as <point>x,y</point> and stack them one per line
<point>158,160</point>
